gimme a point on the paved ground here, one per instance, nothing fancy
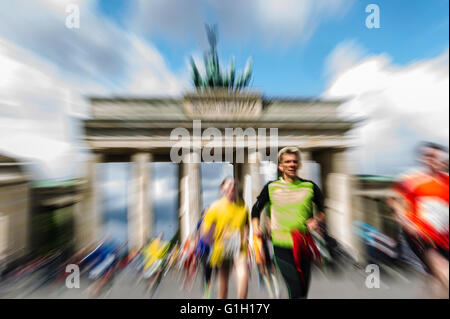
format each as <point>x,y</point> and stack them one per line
<point>349,285</point>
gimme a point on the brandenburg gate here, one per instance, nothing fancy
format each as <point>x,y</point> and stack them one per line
<point>138,130</point>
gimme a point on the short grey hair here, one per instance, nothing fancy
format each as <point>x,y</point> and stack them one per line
<point>289,150</point>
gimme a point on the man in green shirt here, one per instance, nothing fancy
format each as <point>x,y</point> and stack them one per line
<point>290,207</point>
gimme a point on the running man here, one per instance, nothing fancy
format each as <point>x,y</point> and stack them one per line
<point>422,213</point>
<point>226,222</point>
<point>188,262</point>
<point>290,201</point>
<point>155,254</point>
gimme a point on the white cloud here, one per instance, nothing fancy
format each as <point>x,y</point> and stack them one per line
<point>172,18</point>
<point>35,120</point>
<point>289,20</point>
<point>396,99</point>
<point>115,187</point>
<point>151,76</point>
<point>161,190</point>
<point>98,52</point>
<point>344,56</point>
<point>48,69</point>
<point>280,21</point>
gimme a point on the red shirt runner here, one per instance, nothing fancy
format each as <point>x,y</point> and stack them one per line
<point>427,198</point>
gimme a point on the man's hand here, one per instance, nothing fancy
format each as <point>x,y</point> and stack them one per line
<point>313,225</point>
<point>256,229</point>
<point>268,227</point>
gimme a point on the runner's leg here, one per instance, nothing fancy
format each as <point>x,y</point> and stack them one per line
<point>284,259</point>
<point>439,269</point>
<point>207,272</point>
<point>242,276</point>
<point>224,273</point>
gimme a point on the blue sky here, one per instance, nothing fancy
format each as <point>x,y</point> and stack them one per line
<point>410,30</point>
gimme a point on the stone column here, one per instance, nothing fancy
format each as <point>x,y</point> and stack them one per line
<point>339,202</point>
<point>14,218</point>
<point>309,168</point>
<point>189,194</point>
<point>140,209</point>
<point>251,169</point>
<point>88,213</point>
<point>239,177</point>
<point>249,178</point>
<point>304,171</point>
<point>81,219</point>
<point>241,174</point>
<point>253,186</point>
<point>4,242</point>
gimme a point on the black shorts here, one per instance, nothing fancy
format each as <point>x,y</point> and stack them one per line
<point>284,258</point>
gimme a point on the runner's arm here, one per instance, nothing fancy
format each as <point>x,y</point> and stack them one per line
<point>207,228</point>
<point>261,202</point>
<point>401,205</point>
<point>245,239</point>
<point>318,199</point>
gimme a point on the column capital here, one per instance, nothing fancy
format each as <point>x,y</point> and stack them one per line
<point>340,162</point>
<point>191,157</point>
<point>97,157</point>
<point>305,155</point>
<point>141,156</point>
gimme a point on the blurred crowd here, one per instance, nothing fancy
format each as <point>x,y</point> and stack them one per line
<point>100,263</point>
<point>224,241</point>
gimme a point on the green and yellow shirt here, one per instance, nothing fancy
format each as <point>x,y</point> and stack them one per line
<point>290,205</point>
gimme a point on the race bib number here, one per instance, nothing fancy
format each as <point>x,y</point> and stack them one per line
<point>434,212</point>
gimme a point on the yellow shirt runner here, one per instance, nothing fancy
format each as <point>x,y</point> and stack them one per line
<point>229,220</point>
<point>154,251</point>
